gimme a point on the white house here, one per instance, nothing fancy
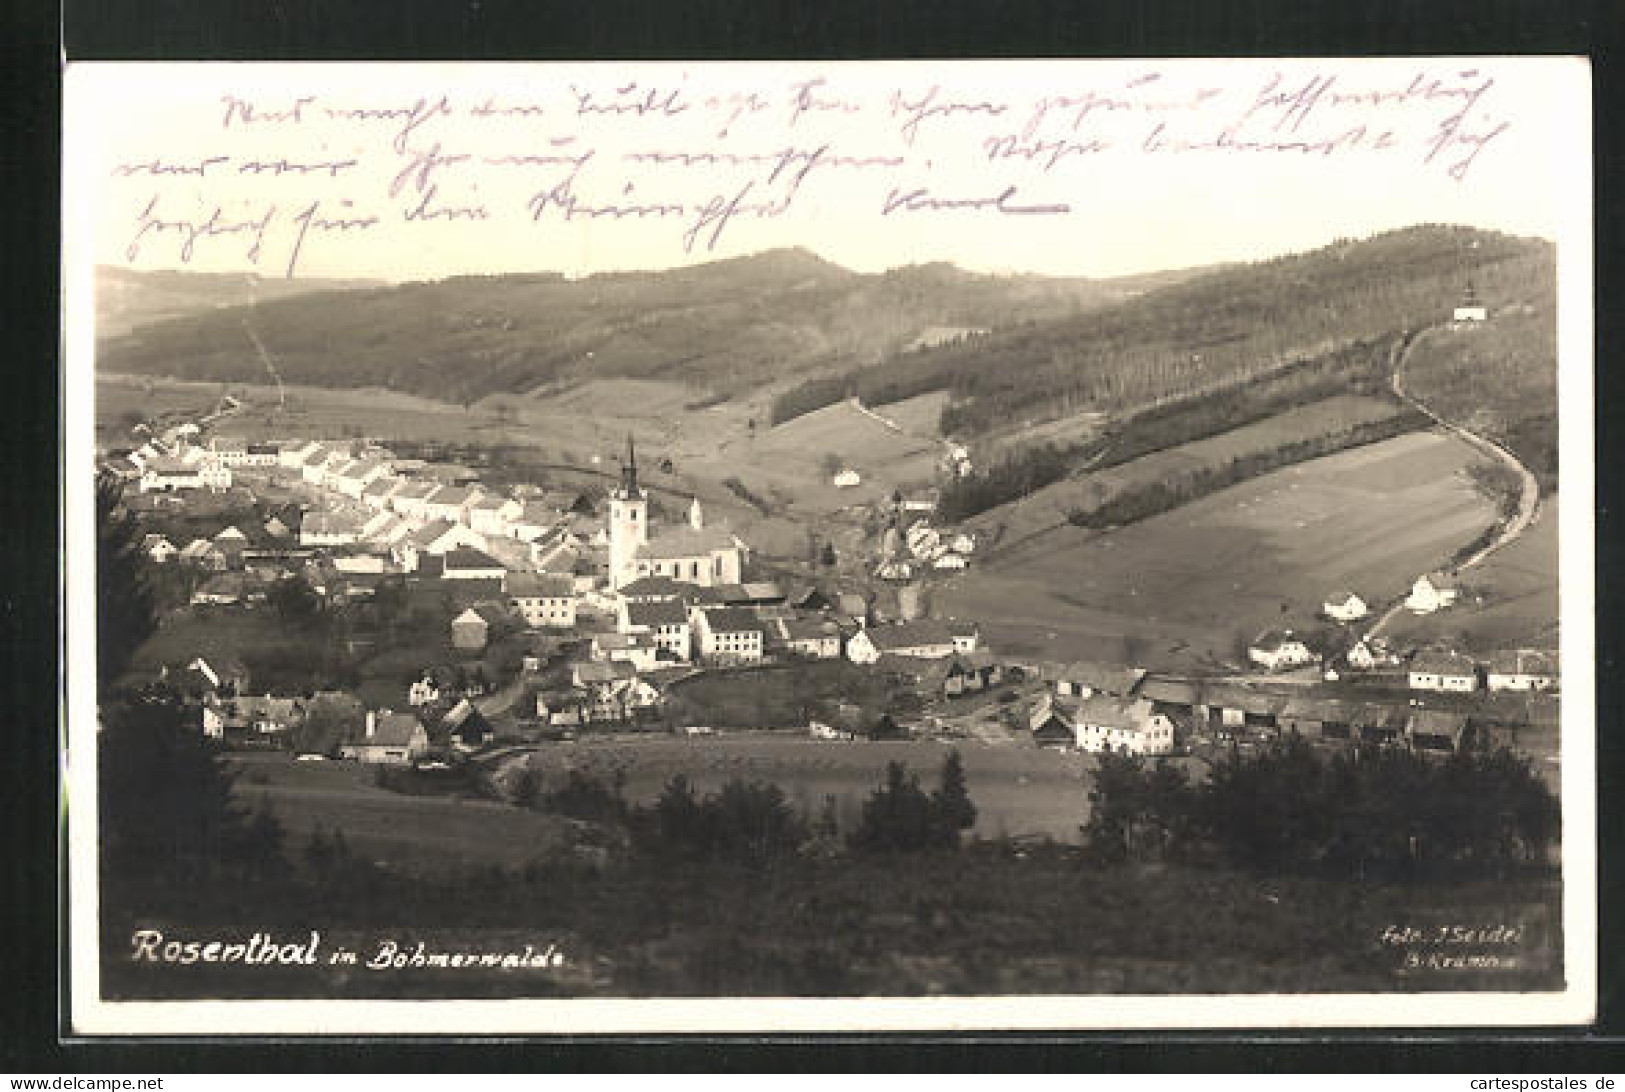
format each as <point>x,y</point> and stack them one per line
<point>1344,606</point>
<point>159,548</point>
<point>543,599</point>
<point>664,622</point>
<point>814,638</point>
<point>1471,309</point>
<point>451,503</point>
<point>1522,669</point>
<point>1276,649</point>
<point>1431,591</point>
<point>1106,723</point>
<point>726,634</point>
<point>434,539</point>
<point>411,500</point>
<point>493,516</point>
<point>294,456</point>
<point>847,478</point>
<point>1442,670</point>
<point>165,473</point>
<point>354,479</point>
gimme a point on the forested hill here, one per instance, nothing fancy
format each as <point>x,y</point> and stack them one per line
<point>127,298</point>
<point>723,326</point>
<point>1212,329</point>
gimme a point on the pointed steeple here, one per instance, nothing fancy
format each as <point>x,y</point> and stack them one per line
<point>629,469</point>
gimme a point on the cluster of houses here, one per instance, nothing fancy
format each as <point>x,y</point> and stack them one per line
<point>175,463</point>
<point>912,544</point>
<point>1101,707</point>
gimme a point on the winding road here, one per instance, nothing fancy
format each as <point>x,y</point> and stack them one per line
<point>1528,490</point>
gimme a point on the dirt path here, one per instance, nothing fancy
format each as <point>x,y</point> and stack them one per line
<point>1528,491</point>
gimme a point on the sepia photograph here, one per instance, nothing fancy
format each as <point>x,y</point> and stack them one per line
<point>838,546</point>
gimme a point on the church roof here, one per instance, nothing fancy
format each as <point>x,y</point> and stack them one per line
<point>684,542</point>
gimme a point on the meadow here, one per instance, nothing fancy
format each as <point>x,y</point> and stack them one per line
<point>1020,790</point>
<point>1049,507</point>
<point>1511,598</point>
<point>1187,588</point>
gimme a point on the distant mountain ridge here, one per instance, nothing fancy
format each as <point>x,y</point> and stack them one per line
<point>726,326</point>
<point>127,298</point>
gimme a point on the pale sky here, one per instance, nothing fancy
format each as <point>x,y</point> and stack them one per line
<point>585,168</point>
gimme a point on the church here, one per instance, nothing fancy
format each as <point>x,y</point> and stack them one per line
<point>693,554</point>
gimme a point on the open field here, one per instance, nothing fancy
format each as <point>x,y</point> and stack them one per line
<point>1019,790</point>
<point>1510,599</point>
<point>411,832</point>
<point>1187,587</point>
<point>1049,507</point>
<point>788,460</point>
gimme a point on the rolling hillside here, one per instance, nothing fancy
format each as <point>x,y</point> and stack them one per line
<point>723,326</point>
<point>127,298</point>
<point>1222,326</point>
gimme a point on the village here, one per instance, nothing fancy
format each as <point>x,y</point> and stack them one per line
<point>538,614</point>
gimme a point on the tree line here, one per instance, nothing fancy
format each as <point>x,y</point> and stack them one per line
<point>1153,498</point>
<point>1367,813</point>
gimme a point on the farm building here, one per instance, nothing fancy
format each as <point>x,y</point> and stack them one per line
<point>1278,648</point>
<point>814,638</point>
<point>469,631</point>
<point>847,478</point>
<point>159,548</point>
<point>1084,679</point>
<point>971,673</point>
<point>1344,606</point>
<point>926,639</point>
<point>1431,591</point>
<point>1442,669</point>
<point>1522,669</point>
<point>390,739</point>
<point>1127,726</point>
<point>1051,724</point>
<point>1436,730</point>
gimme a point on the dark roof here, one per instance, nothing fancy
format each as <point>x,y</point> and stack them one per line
<point>1109,678</point>
<point>390,730</point>
<point>1523,662</point>
<point>466,557</point>
<point>732,620</point>
<point>655,586</point>
<point>543,585</point>
<point>910,635</point>
<point>1442,662</point>
<point>657,613</point>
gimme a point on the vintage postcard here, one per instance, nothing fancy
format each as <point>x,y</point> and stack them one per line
<point>940,546</point>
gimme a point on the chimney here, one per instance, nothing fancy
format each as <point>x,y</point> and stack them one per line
<point>372,723</point>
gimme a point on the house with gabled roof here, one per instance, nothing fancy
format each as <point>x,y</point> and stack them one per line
<point>924,638</point>
<point>1436,730</point>
<point>1442,670</point>
<point>494,515</point>
<point>1086,678</point>
<point>433,539</point>
<point>376,493</point>
<point>388,738</point>
<point>468,563</point>
<point>1522,669</point>
<point>451,503</point>
<point>813,638</point>
<point>159,548</point>
<point>1344,605</point>
<point>542,599</point>
<point>1431,592</point>
<point>1279,648</point>
<point>664,622</point>
<point>329,527</point>
<point>727,634</point>
<point>1051,723</point>
<point>411,500</point>
<point>1122,725</point>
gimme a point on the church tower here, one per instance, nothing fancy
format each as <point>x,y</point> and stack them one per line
<point>628,523</point>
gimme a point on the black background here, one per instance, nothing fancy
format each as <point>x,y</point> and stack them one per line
<point>36,37</point>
